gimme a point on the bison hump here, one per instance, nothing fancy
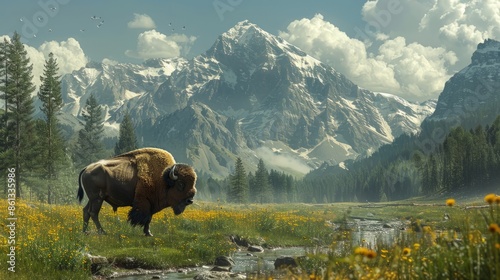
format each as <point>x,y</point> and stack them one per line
<point>150,167</point>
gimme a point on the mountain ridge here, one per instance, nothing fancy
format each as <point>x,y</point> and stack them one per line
<point>251,92</point>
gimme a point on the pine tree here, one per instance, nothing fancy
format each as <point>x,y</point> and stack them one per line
<point>238,190</point>
<point>51,140</point>
<point>127,140</point>
<point>262,186</point>
<point>19,129</point>
<point>89,145</point>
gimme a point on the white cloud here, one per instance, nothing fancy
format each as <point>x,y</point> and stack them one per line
<point>109,61</point>
<point>69,55</point>
<point>410,70</point>
<point>420,70</point>
<point>141,21</point>
<point>456,25</point>
<point>153,44</point>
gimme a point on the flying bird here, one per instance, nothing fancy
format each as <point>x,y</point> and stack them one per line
<point>50,29</point>
<point>95,17</point>
<point>82,30</point>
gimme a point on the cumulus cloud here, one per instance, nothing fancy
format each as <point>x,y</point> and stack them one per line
<point>153,44</point>
<point>141,21</point>
<point>69,55</point>
<point>410,70</point>
<point>420,70</point>
<point>456,25</point>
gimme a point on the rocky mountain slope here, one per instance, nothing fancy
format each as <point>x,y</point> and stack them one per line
<point>472,95</point>
<point>251,95</point>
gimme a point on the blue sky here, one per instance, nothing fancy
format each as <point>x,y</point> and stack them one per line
<point>405,47</point>
<point>203,19</point>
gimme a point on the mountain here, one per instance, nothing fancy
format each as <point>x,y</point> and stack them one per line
<point>471,96</point>
<point>251,95</point>
<point>116,87</point>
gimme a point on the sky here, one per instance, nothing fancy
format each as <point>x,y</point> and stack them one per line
<point>409,48</point>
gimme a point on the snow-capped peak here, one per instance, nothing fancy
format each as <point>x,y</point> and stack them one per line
<point>244,31</point>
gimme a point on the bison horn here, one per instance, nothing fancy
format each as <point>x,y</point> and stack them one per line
<point>172,174</point>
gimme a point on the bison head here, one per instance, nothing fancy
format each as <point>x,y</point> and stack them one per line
<point>181,181</point>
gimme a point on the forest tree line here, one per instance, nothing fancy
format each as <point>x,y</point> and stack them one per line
<point>467,161</point>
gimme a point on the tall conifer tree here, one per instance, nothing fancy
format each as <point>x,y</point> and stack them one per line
<point>18,90</point>
<point>89,144</point>
<point>238,189</point>
<point>262,186</point>
<point>127,140</point>
<point>52,149</point>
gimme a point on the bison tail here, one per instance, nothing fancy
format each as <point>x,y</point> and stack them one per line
<point>80,188</point>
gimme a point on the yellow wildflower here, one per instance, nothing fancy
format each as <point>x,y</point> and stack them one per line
<point>494,228</point>
<point>406,251</point>
<point>360,251</point>
<point>365,252</point>
<point>490,198</point>
<point>416,246</point>
<point>371,254</point>
<point>450,202</point>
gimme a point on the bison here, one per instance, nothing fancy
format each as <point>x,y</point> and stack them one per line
<point>147,179</point>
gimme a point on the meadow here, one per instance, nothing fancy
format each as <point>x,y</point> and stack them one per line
<point>463,244</point>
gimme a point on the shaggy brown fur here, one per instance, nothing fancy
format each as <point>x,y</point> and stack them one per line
<point>150,164</point>
<point>141,179</point>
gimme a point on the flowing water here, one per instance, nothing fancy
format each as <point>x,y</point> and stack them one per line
<point>364,233</point>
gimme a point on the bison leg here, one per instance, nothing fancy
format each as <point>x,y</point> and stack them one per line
<point>95,207</point>
<point>86,217</point>
<point>146,228</point>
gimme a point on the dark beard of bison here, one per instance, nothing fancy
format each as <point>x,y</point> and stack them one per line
<point>136,217</point>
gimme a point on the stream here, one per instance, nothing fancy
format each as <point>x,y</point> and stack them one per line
<point>364,233</point>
